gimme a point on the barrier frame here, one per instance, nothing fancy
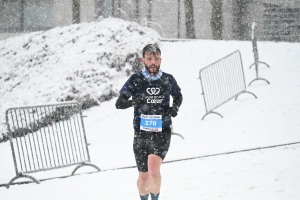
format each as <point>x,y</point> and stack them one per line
<point>34,127</point>
<point>256,57</point>
<point>222,90</point>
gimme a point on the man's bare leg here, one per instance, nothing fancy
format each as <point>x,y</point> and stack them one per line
<point>154,163</point>
<point>150,181</point>
<point>143,183</point>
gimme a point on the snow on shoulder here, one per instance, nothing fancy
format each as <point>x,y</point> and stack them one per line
<point>82,62</point>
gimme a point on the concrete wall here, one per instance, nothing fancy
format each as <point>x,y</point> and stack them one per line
<point>62,12</point>
<point>165,18</point>
<point>87,10</point>
<point>202,13</point>
<point>128,9</point>
<point>4,36</point>
<point>227,20</point>
<point>143,6</point>
<point>165,15</point>
<point>10,17</point>
<point>256,14</point>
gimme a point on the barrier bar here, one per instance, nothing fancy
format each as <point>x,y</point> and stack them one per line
<point>45,137</point>
<point>221,81</point>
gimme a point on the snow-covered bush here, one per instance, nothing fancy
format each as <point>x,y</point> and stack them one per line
<point>82,62</point>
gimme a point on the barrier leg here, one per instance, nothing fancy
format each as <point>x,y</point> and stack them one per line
<point>178,135</point>
<point>264,63</point>
<point>261,63</point>
<point>85,164</point>
<point>251,65</point>
<point>212,113</point>
<point>22,176</point>
<point>257,79</point>
<point>245,92</point>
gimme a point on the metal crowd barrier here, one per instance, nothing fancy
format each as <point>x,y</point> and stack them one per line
<point>45,137</point>
<point>222,81</point>
<point>256,57</point>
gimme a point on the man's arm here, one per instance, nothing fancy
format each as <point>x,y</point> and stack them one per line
<point>177,100</point>
<point>122,102</point>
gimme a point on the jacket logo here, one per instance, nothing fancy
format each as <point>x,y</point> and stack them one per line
<point>153,91</point>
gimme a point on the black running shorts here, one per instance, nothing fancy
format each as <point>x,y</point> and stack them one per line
<point>146,143</point>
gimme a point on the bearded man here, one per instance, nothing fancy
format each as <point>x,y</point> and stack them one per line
<point>149,91</point>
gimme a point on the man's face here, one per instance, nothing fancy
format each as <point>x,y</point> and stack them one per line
<point>152,63</point>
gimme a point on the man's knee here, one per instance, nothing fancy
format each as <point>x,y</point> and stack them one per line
<point>144,177</point>
<point>154,163</point>
<point>154,173</point>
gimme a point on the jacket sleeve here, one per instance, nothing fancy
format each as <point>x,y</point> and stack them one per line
<point>177,100</point>
<point>123,102</point>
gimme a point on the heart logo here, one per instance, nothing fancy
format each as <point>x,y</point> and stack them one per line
<point>153,91</point>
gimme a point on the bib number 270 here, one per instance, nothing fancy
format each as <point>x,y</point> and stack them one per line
<point>151,123</point>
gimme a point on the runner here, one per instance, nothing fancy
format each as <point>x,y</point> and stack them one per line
<point>150,91</point>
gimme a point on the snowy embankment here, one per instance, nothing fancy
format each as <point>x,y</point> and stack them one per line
<point>81,62</point>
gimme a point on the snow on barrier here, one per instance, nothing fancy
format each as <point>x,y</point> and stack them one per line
<point>222,81</point>
<point>256,57</point>
<point>45,137</point>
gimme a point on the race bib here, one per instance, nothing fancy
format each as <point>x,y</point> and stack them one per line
<point>151,123</point>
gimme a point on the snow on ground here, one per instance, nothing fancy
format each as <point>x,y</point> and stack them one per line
<point>272,119</point>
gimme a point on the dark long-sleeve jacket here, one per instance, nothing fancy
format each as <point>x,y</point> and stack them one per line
<point>150,97</point>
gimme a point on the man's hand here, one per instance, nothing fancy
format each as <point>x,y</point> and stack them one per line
<point>172,112</point>
<point>137,102</point>
<point>123,102</point>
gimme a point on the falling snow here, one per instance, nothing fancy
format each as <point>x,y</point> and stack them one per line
<point>248,123</point>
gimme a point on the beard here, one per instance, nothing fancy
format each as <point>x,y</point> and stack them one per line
<point>150,70</point>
